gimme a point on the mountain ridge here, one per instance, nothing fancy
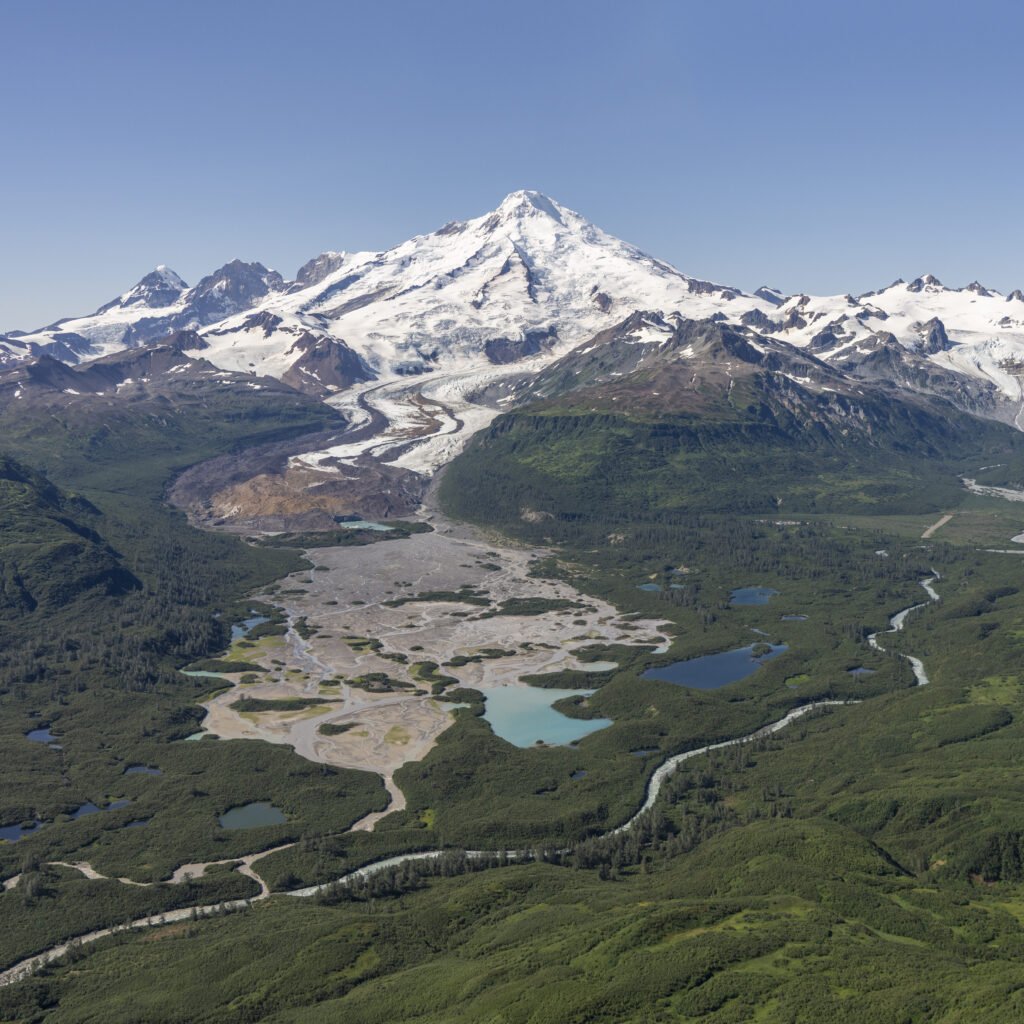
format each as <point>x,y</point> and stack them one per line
<point>531,280</point>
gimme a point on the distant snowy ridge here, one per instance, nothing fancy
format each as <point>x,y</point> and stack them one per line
<point>529,282</point>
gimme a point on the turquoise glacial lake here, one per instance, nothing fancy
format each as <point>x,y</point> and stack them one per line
<point>523,714</point>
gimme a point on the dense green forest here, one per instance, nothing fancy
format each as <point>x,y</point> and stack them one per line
<point>865,864</point>
<point>106,593</point>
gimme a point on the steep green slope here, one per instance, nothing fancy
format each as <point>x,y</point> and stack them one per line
<point>50,551</point>
<point>116,592</point>
<point>781,921</point>
<point>709,423</point>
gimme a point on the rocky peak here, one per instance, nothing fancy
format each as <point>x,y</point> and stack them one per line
<point>320,267</point>
<point>933,336</point>
<point>929,281</point>
<point>772,295</point>
<point>159,288</point>
<point>235,287</point>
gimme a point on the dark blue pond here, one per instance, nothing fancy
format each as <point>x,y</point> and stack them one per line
<point>861,671</point>
<point>578,775</point>
<point>644,753</point>
<point>649,586</point>
<point>137,824</point>
<point>141,769</point>
<point>90,808</point>
<point>44,736</point>
<point>752,595</point>
<point>714,670</point>
<point>12,833</point>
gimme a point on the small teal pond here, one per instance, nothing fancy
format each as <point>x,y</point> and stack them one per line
<point>361,524</point>
<point>522,715</point>
<point>752,595</point>
<point>252,816</point>
<point>861,671</point>
<point>649,586</point>
<point>644,753</point>
<point>794,618</point>
<point>141,769</point>
<point>714,670</point>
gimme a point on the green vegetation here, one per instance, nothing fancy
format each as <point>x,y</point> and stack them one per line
<point>426,672</point>
<point>758,924</point>
<point>865,864</point>
<point>304,628</point>
<point>379,682</point>
<point>532,606</point>
<point>224,665</point>
<point>345,537</point>
<point>258,704</point>
<point>467,595</point>
<point>335,729</point>
<point>106,594</point>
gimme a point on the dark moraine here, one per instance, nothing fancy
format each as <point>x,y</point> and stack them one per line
<point>715,670</point>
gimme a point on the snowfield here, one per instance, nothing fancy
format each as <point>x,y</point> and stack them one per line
<point>520,285</point>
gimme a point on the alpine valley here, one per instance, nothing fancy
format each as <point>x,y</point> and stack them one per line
<point>510,627</point>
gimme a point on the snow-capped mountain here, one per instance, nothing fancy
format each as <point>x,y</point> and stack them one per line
<point>532,280</point>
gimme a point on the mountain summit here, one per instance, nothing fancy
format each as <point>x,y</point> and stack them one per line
<point>528,281</point>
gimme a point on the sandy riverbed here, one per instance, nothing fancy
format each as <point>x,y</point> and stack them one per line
<point>343,597</point>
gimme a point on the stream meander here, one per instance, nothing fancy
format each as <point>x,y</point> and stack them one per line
<point>30,965</point>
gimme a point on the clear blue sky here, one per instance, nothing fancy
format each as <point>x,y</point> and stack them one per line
<point>822,147</point>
